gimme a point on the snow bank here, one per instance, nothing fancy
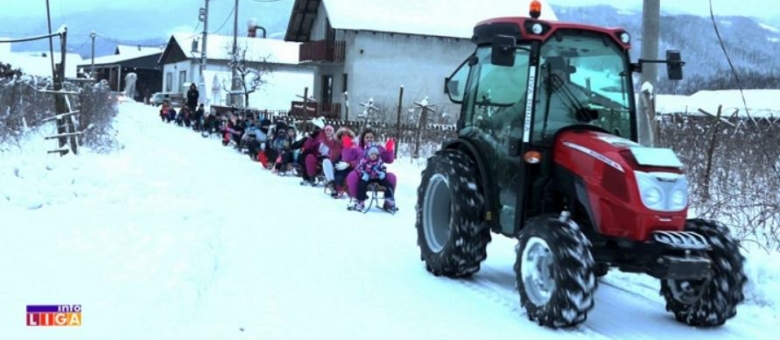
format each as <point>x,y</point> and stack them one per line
<point>763,288</point>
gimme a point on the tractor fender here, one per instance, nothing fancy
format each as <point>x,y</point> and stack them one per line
<point>486,183</point>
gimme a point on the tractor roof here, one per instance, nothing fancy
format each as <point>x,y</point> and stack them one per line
<point>528,29</point>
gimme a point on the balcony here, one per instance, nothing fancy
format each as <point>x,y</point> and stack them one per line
<point>322,51</point>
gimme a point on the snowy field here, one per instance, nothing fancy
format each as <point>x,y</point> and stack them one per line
<point>178,237</point>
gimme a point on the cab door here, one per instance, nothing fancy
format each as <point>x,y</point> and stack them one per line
<point>493,117</point>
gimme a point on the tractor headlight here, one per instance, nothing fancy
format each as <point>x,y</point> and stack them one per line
<point>679,199</point>
<point>662,191</point>
<point>652,196</point>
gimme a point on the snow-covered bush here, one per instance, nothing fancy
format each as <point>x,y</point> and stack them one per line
<point>97,106</point>
<point>733,172</point>
<point>24,107</point>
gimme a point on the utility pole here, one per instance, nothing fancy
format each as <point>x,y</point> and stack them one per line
<point>651,17</point>
<point>204,16</point>
<point>92,70</point>
<point>234,83</point>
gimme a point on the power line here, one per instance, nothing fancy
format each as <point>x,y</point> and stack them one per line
<point>226,20</point>
<point>728,59</point>
<point>82,44</point>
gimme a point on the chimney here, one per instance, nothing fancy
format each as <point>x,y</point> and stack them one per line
<point>251,28</point>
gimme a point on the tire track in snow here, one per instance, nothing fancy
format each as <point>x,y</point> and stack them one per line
<point>500,287</point>
<point>618,313</point>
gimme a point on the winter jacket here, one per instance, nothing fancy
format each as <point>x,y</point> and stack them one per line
<point>192,97</point>
<point>371,169</point>
<point>354,154</point>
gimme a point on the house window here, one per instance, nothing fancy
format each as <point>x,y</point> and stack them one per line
<point>344,81</point>
<point>168,81</point>
<point>327,89</point>
<point>182,80</point>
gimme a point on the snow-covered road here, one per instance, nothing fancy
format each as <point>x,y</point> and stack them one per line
<point>178,237</point>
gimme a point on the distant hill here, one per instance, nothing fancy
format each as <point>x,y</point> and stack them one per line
<point>145,26</point>
<point>753,45</point>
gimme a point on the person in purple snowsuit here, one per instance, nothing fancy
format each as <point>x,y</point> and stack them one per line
<point>354,154</point>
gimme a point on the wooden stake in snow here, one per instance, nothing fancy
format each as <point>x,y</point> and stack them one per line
<point>64,115</point>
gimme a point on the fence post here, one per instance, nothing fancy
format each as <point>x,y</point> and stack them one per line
<point>710,151</point>
<point>346,105</point>
<point>64,120</point>
<point>398,120</point>
<point>423,121</point>
<point>305,103</point>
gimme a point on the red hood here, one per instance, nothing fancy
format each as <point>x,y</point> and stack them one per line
<point>619,153</point>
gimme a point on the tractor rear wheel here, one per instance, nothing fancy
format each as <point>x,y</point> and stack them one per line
<point>555,272</point>
<point>451,233</point>
<point>709,302</point>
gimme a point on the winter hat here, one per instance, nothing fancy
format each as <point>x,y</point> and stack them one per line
<point>372,151</point>
<point>265,122</point>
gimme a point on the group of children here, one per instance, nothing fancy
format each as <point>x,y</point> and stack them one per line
<point>322,156</point>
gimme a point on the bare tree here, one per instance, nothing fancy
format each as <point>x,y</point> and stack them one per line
<point>251,72</point>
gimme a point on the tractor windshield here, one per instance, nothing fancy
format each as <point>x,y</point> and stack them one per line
<point>583,79</point>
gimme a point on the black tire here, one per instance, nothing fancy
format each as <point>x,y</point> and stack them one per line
<point>461,243</point>
<point>710,302</point>
<point>571,270</point>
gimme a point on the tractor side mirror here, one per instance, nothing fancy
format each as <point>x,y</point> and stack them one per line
<point>674,65</point>
<point>503,52</point>
<point>455,84</point>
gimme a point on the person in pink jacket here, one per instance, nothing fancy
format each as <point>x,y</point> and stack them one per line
<point>354,154</point>
<point>321,148</point>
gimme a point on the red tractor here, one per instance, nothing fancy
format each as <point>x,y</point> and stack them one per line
<point>547,153</point>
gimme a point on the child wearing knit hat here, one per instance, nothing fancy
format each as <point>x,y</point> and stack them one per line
<point>372,170</point>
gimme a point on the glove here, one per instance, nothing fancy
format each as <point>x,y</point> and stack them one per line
<point>341,165</point>
<point>390,145</point>
<point>382,175</point>
<point>364,177</point>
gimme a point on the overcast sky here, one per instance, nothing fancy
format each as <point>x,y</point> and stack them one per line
<point>758,8</point>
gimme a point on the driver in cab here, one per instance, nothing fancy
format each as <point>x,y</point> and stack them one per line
<point>558,101</point>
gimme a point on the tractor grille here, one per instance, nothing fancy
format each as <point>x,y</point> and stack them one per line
<point>681,239</point>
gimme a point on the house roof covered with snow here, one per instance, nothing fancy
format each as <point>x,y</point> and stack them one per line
<point>450,18</point>
<point>218,47</point>
<point>136,50</point>
<point>115,59</point>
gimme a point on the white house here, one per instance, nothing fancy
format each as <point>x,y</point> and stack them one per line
<point>410,43</point>
<point>181,66</point>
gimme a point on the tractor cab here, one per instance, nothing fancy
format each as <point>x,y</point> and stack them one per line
<point>527,81</point>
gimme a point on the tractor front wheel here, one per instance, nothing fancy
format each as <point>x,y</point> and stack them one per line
<point>709,302</point>
<point>451,233</point>
<point>555,272</point>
